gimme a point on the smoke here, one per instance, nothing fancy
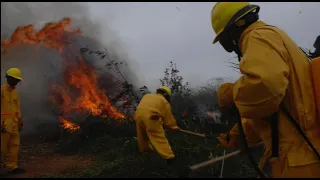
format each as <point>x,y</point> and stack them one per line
<point>39,69</point>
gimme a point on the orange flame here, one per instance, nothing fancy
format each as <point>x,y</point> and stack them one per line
<point>70,126</point>
<point>51,35</point>
<point>82,78</point>
<point>80,90</point>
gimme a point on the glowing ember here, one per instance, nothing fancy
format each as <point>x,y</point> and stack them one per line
<point>79,92</point>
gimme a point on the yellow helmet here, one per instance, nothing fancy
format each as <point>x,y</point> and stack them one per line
<point>15,73</point>
<point>224,14</point>
<point>166,89</point>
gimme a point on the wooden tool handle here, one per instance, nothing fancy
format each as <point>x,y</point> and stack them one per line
<point>193,133</point>
<point>214,160</point>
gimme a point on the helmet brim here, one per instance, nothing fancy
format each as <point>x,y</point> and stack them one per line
<point>16,77</point>
<point>215,40</point>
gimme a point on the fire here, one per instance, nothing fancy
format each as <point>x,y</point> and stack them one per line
<point>79,92</point>
<point>212,115</point>
<point>81,79</point>
<point>70,126</point>
<point>52,36</point>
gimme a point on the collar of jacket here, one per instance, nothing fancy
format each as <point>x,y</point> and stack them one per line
<point>249,29</point>
<point>8,87</point>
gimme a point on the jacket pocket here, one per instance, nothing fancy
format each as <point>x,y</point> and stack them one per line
<point>302,156</point>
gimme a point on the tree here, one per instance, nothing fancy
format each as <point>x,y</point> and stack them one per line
<point>181,103</point>
<point>174,81</point>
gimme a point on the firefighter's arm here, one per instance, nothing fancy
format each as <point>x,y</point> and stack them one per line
<point>233,141</point>
<point>259,92</point>
<point>168,119</point>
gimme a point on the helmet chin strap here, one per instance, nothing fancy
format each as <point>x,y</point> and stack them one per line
<point>238,52</point>
<point>233,47</point>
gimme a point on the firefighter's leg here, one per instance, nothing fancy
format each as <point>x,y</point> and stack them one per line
<point>143,140</point>
<point>5,137</point>
<point>13,150</point>
<point>158,140</point>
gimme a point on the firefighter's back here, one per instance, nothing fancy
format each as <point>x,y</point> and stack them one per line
<point>151,104</point>
<point>300,101</point>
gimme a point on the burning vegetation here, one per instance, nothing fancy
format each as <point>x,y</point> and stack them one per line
<point>85,96</point>
<point>79,92</point>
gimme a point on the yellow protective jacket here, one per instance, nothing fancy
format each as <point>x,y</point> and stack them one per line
<point>274,68</point>
<point>315,65</point>
<point>154,112</point>
<point>10,108</point>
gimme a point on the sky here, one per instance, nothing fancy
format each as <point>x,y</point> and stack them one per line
<point>155,33</point>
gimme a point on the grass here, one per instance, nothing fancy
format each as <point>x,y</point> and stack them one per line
<point>124,161</point>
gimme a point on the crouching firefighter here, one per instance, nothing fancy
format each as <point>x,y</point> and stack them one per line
<point>11,122</point>
<point>154,112</point>
<point>275,94</point>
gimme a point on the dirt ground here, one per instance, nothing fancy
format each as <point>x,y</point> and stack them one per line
<point>40,159</point>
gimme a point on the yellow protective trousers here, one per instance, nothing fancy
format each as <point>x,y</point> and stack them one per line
<point>154,112</point>
<point>151,137</point>
<point>10,118</point>
<point>10,143</point>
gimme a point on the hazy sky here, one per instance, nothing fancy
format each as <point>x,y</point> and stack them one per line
<point>153,34</point>
<point>156,33</point>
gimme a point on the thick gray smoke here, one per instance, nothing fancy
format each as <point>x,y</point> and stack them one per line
<point>39,68</point>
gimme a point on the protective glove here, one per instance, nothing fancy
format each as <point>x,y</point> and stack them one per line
<point>173,128</point>
<point>20,124</point>
<point>227,141</point>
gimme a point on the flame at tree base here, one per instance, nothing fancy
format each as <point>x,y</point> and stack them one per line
<point>70,126</point>
<point>80,93</point>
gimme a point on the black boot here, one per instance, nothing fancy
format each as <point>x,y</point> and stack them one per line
<point>17,171</point>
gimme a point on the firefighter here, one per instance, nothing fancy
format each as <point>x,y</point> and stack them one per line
<point>154,112</point>
<point>11,122</point>
<point>275,90</point>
